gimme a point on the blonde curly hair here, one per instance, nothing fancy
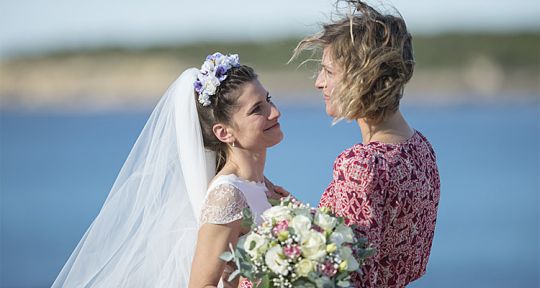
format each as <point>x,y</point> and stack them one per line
<point>375,54</point>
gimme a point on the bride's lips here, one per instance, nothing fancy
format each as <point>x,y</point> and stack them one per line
<point>272,127</point>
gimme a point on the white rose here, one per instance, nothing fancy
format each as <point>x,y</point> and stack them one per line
<point>304,267</point>
<point>313,245</point>
<point>346,254</point>
<point>278,213</point>
<point>255,245</point>
<point>276,260</point>
<point>301,225</point>
<point>325,221</point>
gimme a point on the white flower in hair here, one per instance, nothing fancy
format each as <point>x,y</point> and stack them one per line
<point>211,84</point>
<point>213,71</point>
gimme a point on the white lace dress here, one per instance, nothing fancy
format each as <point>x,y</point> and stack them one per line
<point>227,197</point>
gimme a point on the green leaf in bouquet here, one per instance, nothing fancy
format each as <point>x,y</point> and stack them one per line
<point>286,201</point>
<point>370,251</point>
<point>274,202</point>
<point>265,282</point>
<point>303,283</point>
<point>364,253</point>
<point>241,241</point>
<point>226,256</point>
<point>247,269</point>
<point>343,283</point>
<point>247,219</point>
<point>252,245</point>
<point>234,275</point>
<point>324,282</point>
<point>361,242</point>
<point>312,276</point>
<point>342,275</point>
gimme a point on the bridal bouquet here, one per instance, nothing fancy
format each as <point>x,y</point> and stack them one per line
<point>298,246</point>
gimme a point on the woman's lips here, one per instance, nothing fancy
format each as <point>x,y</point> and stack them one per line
<point>272,127</point>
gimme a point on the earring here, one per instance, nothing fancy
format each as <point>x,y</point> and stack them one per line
<point>232,144</point>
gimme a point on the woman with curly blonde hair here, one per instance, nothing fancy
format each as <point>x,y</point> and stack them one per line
<point>389,184</point>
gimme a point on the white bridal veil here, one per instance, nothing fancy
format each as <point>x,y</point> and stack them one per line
<point>145,233</point>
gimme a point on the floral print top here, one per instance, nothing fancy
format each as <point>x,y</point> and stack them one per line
<point>391,192</point>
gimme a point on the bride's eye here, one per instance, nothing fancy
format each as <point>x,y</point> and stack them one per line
<point>255,110</point>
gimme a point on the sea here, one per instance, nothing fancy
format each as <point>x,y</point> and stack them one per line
<point>56,169</point>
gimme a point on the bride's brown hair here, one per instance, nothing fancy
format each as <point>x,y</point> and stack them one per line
<point>222,107</point>
<point>375,54</point>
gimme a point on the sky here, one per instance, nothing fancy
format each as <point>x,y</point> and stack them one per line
<point>30,26</point>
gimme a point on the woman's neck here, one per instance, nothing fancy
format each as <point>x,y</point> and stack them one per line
<point>246,164</point>
<point>393,129</point>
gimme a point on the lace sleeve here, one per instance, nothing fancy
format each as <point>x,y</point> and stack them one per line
<point>223,204</point>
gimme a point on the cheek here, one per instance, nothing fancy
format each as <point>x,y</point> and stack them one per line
<point>252,129</point>
<point>330,85</point>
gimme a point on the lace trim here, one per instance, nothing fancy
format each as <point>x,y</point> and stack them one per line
<point>223,204</point>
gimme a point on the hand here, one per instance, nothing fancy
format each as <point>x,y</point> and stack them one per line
<point>282,192</point>
<point>277,192</point>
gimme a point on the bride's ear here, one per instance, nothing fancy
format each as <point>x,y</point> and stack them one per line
<point>223,133</point>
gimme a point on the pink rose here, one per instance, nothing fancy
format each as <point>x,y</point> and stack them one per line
<point>292,251</point>
<point>283,225</point>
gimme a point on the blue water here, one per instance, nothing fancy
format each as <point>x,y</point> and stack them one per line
<point>57,168</point>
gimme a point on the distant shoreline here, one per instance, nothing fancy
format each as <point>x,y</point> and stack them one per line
<point>450,69</point>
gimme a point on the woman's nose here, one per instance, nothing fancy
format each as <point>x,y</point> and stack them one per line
<point>274,112</point>
<point>320,82</point>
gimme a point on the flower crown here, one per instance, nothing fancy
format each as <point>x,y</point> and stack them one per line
<point>212,73</point>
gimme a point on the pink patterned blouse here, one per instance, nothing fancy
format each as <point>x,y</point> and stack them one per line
<point>391,192</point>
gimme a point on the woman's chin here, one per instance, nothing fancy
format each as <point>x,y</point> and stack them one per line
<point>276,138</point>
<point>330,111</point>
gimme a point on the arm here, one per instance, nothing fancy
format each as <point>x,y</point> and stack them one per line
<point>327,198</point>
<point>213,239</point>
<point>359,193</point>
<point>221,217</point>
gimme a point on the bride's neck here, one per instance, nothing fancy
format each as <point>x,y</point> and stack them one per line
<point>246,164</point>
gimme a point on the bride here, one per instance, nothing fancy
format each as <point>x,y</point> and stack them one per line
<point>169,216</point>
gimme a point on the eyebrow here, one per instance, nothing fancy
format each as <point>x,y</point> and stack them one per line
<point>327,66</point>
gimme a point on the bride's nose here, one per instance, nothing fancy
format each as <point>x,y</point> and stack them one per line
<point>274,113</point>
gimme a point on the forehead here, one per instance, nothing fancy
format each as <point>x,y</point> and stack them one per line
<point>327,56</point>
